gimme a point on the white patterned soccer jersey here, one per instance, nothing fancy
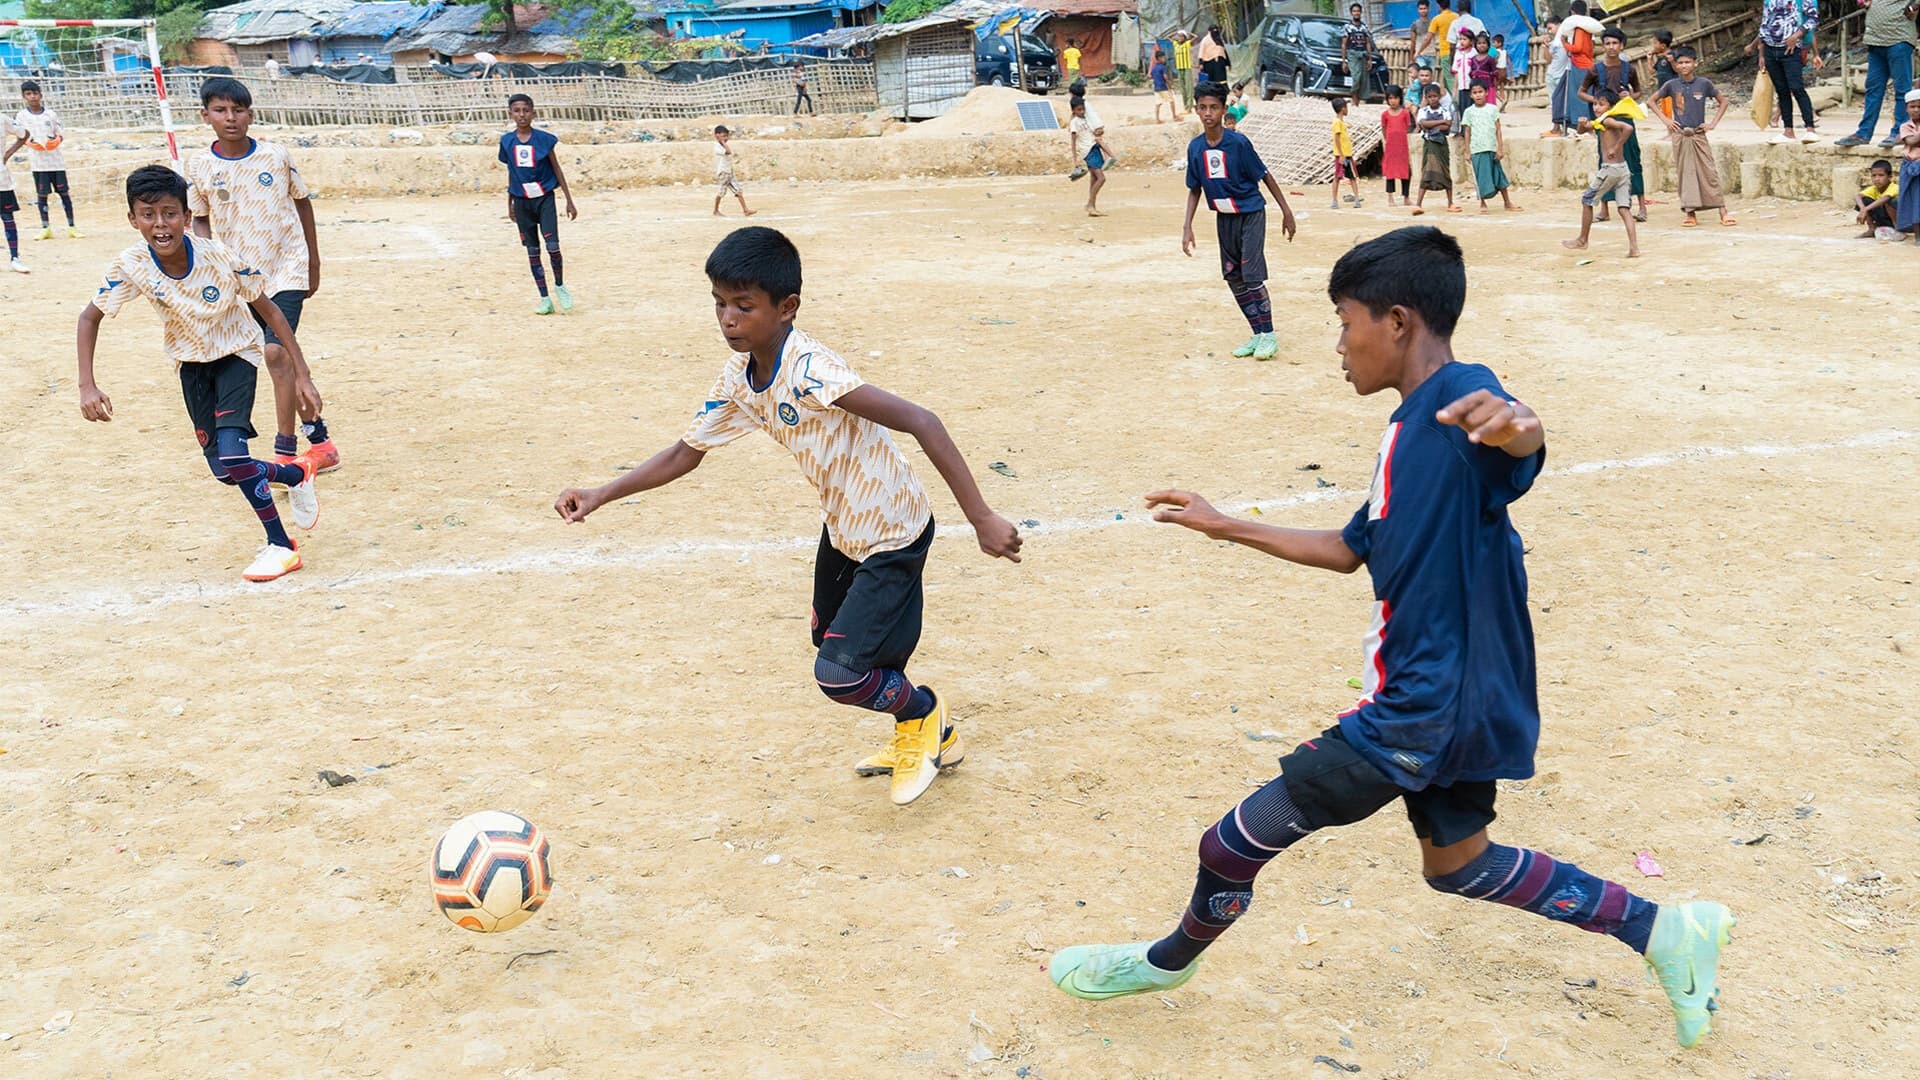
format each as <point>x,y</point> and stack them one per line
<point>205,313</point>
<point>8,133</point>
<point>869,497</point>
<point>41,129</point>
<point>249,201</point>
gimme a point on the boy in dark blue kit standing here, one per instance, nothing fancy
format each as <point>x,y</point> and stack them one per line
<point>1222,165</point>
<point>533,174</point>
<point>1448,704</point>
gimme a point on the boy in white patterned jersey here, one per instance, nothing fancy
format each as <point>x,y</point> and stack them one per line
<point>203,292</point>
<point>9,202</point>
<point>249,191</point>
<point>878,520</point>
<point>41,133</point>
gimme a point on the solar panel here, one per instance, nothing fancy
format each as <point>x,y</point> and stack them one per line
<point>1037,116</point>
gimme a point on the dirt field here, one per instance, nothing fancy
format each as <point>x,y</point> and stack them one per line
<point>1723,570</point>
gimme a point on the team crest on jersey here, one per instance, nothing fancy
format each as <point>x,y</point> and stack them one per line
<point>1216,164</point>
<point>210,294</point>
<point>789,415</point>
<point>265,178</point>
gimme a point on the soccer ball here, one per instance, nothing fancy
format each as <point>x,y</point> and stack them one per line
<point>490,871</point>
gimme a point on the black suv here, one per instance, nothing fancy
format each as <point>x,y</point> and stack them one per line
<point>1302,53</point>
<point>994,65</point>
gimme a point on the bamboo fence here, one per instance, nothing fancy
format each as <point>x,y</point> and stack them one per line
<point>125,102</point>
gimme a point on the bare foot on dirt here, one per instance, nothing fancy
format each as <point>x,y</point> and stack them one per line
<point>1574,245</point>
<point>1633,253</point>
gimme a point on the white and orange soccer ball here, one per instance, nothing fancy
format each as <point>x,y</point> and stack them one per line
<point>490,871</point>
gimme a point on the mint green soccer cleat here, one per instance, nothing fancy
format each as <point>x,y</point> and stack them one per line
<point>1099,972</point>
<point>544,307</point>
<point>1246,350</point>
<point>1683,955</point>
<point>1266,346</point>
<point>566,298</point>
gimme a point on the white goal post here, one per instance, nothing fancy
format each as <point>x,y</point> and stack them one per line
<point>147,27</point>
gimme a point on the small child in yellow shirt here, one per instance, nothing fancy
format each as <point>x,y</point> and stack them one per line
<point>1343,156</point>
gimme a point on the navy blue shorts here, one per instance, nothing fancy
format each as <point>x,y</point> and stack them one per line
<point>289,302</point>
<point>866,614</point>
<point>219,395</point>
<point>1333,785</point>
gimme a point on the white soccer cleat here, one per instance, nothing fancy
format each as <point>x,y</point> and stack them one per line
<point>303,504</point>
<point>273,562</point>
<point>19,267</point>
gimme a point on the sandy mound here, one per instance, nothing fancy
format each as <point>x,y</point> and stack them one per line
<point>986,110</point>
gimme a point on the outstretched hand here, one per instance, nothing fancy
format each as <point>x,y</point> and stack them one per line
<point>1490,419</point>
<point>1184,508</point>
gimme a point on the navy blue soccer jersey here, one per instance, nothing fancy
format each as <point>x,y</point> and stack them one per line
<point>529,164</point>
<point>1228,175</point>
<point>1448,688</point>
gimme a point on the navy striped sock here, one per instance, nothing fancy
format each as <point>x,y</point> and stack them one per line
<point>1537,882</point>
<point>1232,854</point>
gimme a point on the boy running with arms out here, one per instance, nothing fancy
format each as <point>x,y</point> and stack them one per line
<point>533,174</point>
<point>250,193</point>
<point>42,134</point>
<point>203,293</point>
<point>1223,166</point>
<point>878,520</point>
<point>1449,703</point>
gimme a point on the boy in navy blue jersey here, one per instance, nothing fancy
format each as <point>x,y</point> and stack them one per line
<point>533,174</point>
<point>1223,165</point>
<point>1448,703</point>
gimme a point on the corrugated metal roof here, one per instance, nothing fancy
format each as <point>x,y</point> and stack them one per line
<point>254,22</point>
<point>380,19</point>
<point>1091,7</point>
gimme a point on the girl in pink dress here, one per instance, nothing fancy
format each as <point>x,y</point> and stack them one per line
<point>1395,164</point>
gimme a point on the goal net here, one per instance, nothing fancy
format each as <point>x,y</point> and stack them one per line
<point>97,75</point>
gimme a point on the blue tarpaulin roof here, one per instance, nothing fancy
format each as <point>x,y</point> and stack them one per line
<point>378,20</point>
<point>1500,19</point>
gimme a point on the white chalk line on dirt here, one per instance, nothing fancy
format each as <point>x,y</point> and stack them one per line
<point>122,603</point>
<point>432,245</point>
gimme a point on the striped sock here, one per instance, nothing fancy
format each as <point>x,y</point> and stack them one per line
<point>251,477</point>
<point>1535,881</point>
<point>13,236</point>
<point>1256,304</point>
<point>539,272</point>
<point>1232,854</point>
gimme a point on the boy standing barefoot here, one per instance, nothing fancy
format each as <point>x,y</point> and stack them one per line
<point>1448,705</point>
<point>1612,176</point>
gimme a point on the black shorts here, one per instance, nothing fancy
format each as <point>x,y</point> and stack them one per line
<point>1243,246</point>
<point>219,395</point>
<point>44,182</point>
<point>1333,785</point>
<point>289,301</point>
<point>866,615</point>
<point>9,202</point>
<point>536,218</point>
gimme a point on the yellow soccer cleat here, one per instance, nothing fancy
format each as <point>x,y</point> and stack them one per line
<point>952,752</point>
<point>74,232</point>
<point>916,752</point>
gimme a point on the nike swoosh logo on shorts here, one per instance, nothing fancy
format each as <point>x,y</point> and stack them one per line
<point>222,412</point>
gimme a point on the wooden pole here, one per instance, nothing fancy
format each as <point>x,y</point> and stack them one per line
<point>1846,78</point>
